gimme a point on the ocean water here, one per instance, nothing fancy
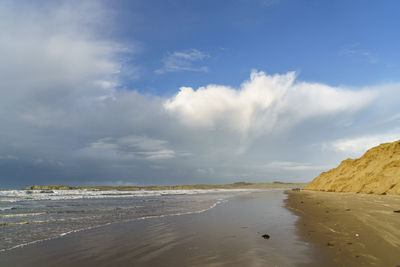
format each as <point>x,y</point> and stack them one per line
<point>29,216</point>
<point>212,228</point>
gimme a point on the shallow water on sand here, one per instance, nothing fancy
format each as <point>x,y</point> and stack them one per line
<point>228,235</point>
<point>28,216</point>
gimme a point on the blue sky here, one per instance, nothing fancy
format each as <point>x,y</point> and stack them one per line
<point>182,92</point>
<point>350,43</point>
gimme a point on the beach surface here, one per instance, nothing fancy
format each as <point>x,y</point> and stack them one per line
<point>228,235</point>
<point>353,229</point>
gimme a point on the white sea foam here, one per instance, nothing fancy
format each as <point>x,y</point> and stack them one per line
<point>26,195</point>
<point>6,208</point>
<point>22,215</point>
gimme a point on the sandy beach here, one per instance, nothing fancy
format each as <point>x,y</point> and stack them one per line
<point>305,228</point>
<point>352,229</point>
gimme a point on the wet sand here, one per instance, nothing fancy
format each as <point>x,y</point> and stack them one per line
<point>227,235</point>
<point>352,229</point>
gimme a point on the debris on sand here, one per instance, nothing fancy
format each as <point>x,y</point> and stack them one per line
<point>265,236</point>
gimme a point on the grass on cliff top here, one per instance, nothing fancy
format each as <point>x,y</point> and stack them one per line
<point>238,185</point>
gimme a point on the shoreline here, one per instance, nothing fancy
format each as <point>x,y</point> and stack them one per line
<point>350,229</point>
<point>219,202</point>
<point>228,235</point>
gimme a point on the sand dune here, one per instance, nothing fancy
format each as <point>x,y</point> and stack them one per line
<point>376,172</point>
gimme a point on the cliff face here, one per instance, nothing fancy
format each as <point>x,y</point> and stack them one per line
<point>376,172</point>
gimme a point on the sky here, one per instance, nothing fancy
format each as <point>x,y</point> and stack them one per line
<point>149,92</point>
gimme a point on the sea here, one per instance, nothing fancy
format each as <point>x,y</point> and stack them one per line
<point>30,216</point>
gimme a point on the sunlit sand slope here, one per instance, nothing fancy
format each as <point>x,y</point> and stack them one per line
<point>376,172</point>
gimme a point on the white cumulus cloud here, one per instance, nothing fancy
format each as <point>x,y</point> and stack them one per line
<point>264,101</point>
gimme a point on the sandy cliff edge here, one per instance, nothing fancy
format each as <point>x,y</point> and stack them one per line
<point>376,172</point>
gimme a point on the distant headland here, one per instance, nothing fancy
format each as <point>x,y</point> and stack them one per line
<point>238,185</point>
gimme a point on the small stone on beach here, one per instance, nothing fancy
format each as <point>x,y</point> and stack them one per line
<point>265,236</point>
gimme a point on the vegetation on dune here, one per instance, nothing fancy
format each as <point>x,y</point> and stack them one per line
<point>49,187</point>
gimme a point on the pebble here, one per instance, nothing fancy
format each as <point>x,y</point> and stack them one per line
<point>265,236</point>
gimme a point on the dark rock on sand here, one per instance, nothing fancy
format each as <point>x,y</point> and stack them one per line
<point>265,236</point>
